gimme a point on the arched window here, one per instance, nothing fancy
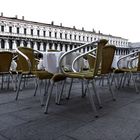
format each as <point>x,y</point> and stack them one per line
<point>10,44</point>
<point>2,43</point>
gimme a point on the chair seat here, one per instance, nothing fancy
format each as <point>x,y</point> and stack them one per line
<point>58,77</point>
<point>125,70</point>
<point>2,73</point>
<point>28,66</point>
<point>80,75</point>
<point>83,74</point>
<point>41,74</point>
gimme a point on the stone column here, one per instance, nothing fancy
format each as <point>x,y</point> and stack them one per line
<point>21,43</point>
<point>35,46</point>
<point>53,46</point>
<point>29,44</point>
<point>85,49</point>
<point>7,44</point>
<point>63,48</point>
<point>14,45</point>
<point>68,47</point>
<point>58,47</point>
<point>47,46</point>
<point>41,46</point>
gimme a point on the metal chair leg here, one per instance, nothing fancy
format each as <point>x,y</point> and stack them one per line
<point>129,79</point>
<point>96,94</point>
<point>47,83</point>
<point>41,97</point>
<point>121,80</point>
<point>135,84</point>
<point>60,95</point>
<point>48,99</point>
<point>113,79</point>
<point>19,83</point>
<point>13,79</point>
<point>36,87</point>
<point>68,96</point>
<point>86,87</point>
<point>8,81</point>
<point>92,102</point>
<point>82,84</point>
<point>113,96</point>
<point>124,80</point>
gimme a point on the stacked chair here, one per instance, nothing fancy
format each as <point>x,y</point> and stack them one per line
<point>102,67</point>
<point>5,64</point>
<point>28,68</point>
<point>130,73</point>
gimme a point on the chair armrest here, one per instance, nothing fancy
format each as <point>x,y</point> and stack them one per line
<point>124,57</point>
<point>132,59</point>
<point>78,57</point>
<point>73,50</point>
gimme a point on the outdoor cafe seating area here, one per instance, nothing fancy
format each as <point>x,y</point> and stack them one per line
<point>73,90</point>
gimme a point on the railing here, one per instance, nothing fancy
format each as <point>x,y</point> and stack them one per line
<point>42,37</point>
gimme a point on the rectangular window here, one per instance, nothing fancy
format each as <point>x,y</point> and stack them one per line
<point>55,34</point>
<point>32,32</point>
<point>75,37</point>
<point>10,29</point>
<point>17,30</point>
<point>2,28</point>
<point>70,36</point>
<point>79,37</point>
<point>65,36</point>
<point>83,38</point>
<point>87,38</point>
<point>38,32</point>
<point>50,34</point>
<point>25,31</point>
<point>61,35</point>
<point>44,33</point>
<point>91,38</point>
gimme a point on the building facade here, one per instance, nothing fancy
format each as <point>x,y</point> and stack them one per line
<point>16,32</point>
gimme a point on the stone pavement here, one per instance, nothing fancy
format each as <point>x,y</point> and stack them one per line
<point>73,119</point>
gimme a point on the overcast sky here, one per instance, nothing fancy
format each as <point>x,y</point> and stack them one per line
<point>116,17</point>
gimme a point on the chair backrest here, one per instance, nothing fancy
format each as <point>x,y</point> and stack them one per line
<point>138,67</point>
<point>5,61</point>
<point>91,61</point>
<point>24,64</point>
<point>107,58</point>
<point>100,46</point>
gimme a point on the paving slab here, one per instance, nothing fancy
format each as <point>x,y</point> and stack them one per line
<point>43,129</point>
<point>108,128</point>
<point>3,138</point>
<point>64,138</point>
<point>73,119</point>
